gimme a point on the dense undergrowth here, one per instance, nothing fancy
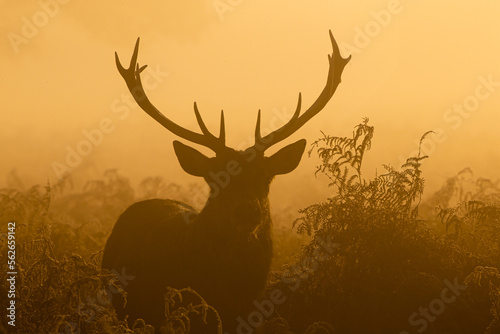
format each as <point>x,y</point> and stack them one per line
<point>374,259</point>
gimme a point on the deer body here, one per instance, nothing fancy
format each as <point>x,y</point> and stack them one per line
<point>224,252</point>
<point>165,251</point>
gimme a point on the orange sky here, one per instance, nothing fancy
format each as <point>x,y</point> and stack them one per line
<point>416,66</point>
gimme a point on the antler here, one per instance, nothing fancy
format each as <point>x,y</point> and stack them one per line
<point>337,64</point>
<point>132,77</point>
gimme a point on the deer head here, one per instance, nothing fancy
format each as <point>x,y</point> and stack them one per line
<point>239,180</point>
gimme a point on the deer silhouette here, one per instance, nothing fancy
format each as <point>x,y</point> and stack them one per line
<point>223,252</point>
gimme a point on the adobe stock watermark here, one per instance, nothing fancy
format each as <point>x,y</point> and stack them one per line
<point>292,278</point>
<point>455,116</point>
<point>365,34</point>
<point>224,6</point>
<point>92,138</point>
<point>31,25</point>
<point>436,307</point>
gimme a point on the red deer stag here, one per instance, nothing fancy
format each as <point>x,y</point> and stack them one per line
<point>223,252</point>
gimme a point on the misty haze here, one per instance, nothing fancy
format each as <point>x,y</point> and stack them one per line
<point>250,167</point>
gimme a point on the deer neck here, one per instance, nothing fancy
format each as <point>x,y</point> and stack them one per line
<point>227,224</point>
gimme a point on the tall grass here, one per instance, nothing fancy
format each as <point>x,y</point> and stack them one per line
<point>362,261</point>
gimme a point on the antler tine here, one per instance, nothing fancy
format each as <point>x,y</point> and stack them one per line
<point>132,77</point>
<point>202,125</point>
<point>133,68</point>
<point>337,64</point>
<point>222,131</point>
<point>297,109</point>
<point>258,136</point>
<point>204,129</point>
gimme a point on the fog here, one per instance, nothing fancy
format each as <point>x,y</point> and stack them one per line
<point>416,66</point>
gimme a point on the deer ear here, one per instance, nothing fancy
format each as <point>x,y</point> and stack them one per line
<point>192,161</point>
<point>287,159</point>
